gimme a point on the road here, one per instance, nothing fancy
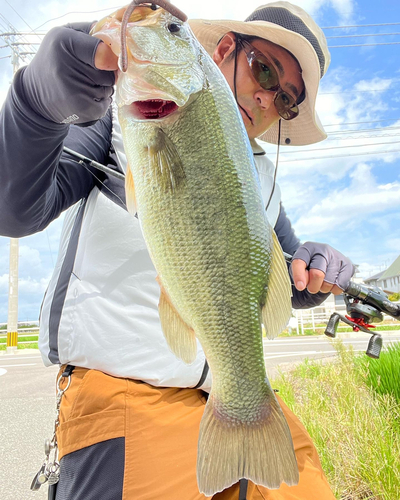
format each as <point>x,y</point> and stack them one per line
<point>283,352</point>
<point>27,404</point>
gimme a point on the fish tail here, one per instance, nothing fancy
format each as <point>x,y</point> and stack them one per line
<point>260,451</point>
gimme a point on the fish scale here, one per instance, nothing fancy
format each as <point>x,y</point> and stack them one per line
<point>193,182</point>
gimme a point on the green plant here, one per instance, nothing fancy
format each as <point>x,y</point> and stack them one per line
<point>355,430</point>
<point>383,374</point>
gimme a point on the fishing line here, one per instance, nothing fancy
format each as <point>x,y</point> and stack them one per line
<point>95,164</point>
<point>86,162</point>
<point>111,191</point>
<point>276,164</point>
<point>78,12</point>
<point>279,123</point>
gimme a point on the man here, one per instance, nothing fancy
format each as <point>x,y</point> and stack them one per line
<point>130,416</point>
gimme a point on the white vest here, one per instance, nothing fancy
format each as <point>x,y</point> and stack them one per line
<point>101,307</point>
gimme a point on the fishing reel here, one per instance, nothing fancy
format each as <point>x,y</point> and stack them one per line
<point>364,305</point>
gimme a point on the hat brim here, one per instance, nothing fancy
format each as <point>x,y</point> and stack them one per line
<point>306,128</point>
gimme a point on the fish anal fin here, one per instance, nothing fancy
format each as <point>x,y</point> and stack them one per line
<point>278,305</point>
<point>180,337</point>
<point>165,162</point>
<point>130,192</point>
<point>260,451</point>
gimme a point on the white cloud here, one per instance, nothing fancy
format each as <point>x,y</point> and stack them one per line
<point>345,9</point>
<point>362,197</point>
<point>344,200</point>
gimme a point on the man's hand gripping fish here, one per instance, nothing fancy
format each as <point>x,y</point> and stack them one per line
<point>193,182</point>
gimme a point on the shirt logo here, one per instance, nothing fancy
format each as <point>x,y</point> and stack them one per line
<point>71,119</point>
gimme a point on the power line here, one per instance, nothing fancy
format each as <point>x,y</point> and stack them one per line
<point>79,12</point>
<point>296,151</point>
<point>353,138</point>
<point>344,156</point>
<point>364,35</point>
<point>359,26</point>
<point>362,45</point>
<point>350,131</point>
<point>18,14</point>
<point>355,91</point>
<point>359,123</point>
<point>12,29</point>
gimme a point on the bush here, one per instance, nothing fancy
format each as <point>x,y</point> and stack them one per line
<point>383,374</point>
<point>355,430</point>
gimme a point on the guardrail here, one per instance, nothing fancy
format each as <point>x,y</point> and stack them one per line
<point>25,332</point>
<point>308,319</point>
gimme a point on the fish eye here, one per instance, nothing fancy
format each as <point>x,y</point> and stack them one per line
<point>174,28</point>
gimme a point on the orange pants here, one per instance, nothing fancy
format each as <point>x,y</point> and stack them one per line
<point>160,427</point>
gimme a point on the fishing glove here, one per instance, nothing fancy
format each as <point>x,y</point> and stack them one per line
<point>337,268</point>
<point>62,84</point>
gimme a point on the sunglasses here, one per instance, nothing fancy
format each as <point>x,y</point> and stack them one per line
<point>267,76</point>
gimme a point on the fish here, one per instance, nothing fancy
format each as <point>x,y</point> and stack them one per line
<point>192,181</point>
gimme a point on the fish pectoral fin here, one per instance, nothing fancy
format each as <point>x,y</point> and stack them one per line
<point>130,195</point>
<point>179,336</point>
<point>260,450</point>
<point>278,305</point>
<point>165,162</point>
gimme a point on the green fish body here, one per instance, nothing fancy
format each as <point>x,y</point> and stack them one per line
<point>193,182</point>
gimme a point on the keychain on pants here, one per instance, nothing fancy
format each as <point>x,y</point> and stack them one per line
<point>49,472</point>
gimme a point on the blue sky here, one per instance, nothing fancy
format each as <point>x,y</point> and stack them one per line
<point>347,195</point>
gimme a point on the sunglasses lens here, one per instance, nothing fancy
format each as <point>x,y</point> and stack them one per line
<point>286,106</point>
<point>267,77</point>
<point>264,73</point>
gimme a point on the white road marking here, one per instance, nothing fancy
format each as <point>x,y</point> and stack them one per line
<point>312,343</point>
<point>300,353</point>
<point>22,364</point>
<point>21,357</point>
<point>2,371</point>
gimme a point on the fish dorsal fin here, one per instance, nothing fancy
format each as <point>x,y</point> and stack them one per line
<point>165,162</point>
<point>130,192</point>
<point>278,306</point>
<point>179,336</point>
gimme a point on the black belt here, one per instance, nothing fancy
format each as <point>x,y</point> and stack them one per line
<point>243,483</point>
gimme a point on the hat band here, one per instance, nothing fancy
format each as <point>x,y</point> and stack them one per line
<point>286,19</point>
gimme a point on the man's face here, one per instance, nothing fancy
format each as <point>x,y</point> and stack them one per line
<point>259,112</point>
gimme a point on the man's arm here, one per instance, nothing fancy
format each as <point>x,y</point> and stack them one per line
<point>37,180</point>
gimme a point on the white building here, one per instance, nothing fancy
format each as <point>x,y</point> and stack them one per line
<point>388,280</point>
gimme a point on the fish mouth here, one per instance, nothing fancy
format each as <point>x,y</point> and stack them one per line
<point>153,109</point>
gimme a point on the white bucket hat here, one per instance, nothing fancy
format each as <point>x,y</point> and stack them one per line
<point>293,29</point>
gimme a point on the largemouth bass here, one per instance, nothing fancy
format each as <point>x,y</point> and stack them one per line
<point>193,183</point>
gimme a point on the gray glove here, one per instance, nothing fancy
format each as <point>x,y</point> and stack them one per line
<point>338,269</point>
<point>62,84</point>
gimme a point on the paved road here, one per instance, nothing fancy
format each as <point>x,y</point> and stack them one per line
<point>283,352</point>
<point>27,405</point>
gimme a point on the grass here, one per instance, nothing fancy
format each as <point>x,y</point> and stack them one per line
<point>33,344</point>
<point>356,431</point>
<point>320,329</point>
<point>383,374</point>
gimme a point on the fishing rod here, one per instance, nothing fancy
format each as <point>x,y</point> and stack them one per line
<point>84,160</point>
<point>364,304</point>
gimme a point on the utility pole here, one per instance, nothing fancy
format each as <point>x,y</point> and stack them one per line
<point>12,321</point>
